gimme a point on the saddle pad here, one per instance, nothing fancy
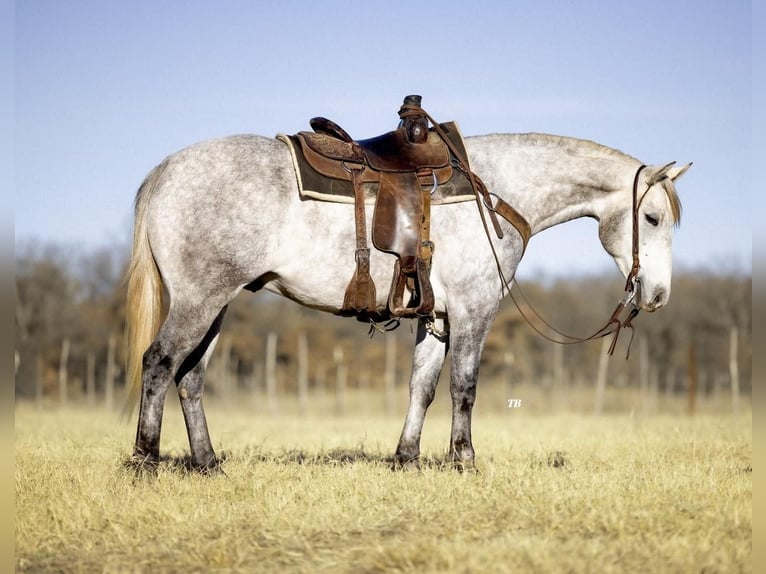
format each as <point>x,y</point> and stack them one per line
<point>313,185</point>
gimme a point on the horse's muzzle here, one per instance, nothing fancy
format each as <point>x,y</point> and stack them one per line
<point>653,300</point>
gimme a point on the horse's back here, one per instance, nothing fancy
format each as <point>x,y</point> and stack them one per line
<point>214,207</point>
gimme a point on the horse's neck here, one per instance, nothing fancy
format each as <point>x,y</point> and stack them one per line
<point>551,179</point>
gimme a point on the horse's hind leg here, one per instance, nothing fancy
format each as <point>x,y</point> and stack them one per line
<point>427,362</point>
<point>182,332</point>
<point>190,390</point>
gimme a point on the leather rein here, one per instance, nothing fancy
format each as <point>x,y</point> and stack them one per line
<point>625,306</point>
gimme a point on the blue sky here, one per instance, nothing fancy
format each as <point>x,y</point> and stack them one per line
<point>104,90</point>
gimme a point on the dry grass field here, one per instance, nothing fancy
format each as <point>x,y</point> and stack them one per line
<point>553,493</point>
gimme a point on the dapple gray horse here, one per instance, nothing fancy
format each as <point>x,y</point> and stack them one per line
<point>225,215</point>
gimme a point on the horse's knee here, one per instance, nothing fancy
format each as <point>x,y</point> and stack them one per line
<point>424,394</point>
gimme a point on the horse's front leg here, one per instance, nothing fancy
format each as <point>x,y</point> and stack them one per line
<point>467,342</point>
<point>427,362</point>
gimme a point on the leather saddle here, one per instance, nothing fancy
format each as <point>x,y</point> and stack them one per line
<point>406,164</point>
<point>390,152</point>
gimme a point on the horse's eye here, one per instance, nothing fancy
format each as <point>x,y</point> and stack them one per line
<point>652,220</point>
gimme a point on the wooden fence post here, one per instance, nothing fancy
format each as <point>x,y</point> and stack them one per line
<point>390,374</point>
<point>643,373</point>
<point>320,383</point>
<point>63,371</point>
<point>734,368</point>
<point>364,387</point>
<point>39,373</point>
<point>558,376</point>
<point>654,389</point>
<point>271,372</point>
<point>691,371</point>
<point>670,384</point>
<point>603,368</point>
<point>256,397</point>
<point>224,371</point>
<point>90,379</point>
<point>341,374</point>
<point>111,370</point>
<point>303,373</point>
<point>508,360</point>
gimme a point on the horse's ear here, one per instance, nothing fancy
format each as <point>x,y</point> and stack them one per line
<point>655,174</point>
<point>677,172</point>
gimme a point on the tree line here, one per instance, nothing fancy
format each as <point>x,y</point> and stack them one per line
<point>70,324</point>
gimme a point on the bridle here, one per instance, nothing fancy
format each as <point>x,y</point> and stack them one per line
<point>630,285</point>
<point>625,306</point>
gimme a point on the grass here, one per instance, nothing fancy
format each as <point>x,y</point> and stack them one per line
<point>553,493</point>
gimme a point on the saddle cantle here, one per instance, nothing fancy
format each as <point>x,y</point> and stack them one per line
<point>390,152</point>
<point>321,155</point>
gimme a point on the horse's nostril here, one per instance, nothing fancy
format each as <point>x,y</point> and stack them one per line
<point>658,298</point>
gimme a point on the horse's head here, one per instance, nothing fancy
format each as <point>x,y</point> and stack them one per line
<point>658,212</point>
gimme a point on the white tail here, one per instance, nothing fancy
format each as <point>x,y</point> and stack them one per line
<point>144,306</point>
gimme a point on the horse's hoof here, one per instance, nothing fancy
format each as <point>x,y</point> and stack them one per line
<point>464,466</point>
<point>406,465</point>
<point>212,470</point>
<point>142,465</point>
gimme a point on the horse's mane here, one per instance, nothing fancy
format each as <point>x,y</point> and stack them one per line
<point>675,201</point>
<point>549,140</point>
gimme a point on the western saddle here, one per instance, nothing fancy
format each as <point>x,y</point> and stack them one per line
<point>406,165</point>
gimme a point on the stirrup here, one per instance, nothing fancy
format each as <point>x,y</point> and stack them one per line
<point>421,302</point>
<point>360,294</point>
